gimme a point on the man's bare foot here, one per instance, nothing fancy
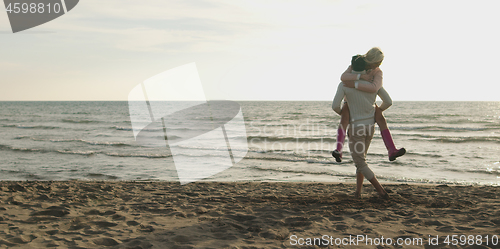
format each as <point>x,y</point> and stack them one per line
<point>357,195</point>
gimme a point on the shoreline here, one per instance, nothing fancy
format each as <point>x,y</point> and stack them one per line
<point>353,182</point>
<point>139,214</point>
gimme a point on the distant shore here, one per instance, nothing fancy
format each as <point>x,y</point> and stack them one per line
<point>122,214</point>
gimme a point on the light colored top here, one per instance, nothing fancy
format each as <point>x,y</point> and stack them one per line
<point>361,104</point>
<point>365,86</point>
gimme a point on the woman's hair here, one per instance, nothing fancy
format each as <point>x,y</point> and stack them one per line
<point>358,63</point>
<point>374,55</point>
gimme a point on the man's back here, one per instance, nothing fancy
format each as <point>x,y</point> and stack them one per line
<point>361,104</point>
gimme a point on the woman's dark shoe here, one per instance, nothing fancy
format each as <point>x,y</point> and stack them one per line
<point>396,154</point>
<point>337,155</point>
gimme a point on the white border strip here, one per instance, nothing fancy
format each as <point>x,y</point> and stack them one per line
<point>64,6</point>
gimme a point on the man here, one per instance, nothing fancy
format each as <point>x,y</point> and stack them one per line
<point>362,124</point>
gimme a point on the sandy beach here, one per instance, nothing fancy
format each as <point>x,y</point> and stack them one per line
<point>119,214</point>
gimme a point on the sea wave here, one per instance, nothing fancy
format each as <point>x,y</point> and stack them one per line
<point>331,172</point>
<point>290,139</point>
<point>441,128</point>
<point>300,171</point>
<point>122,128</point>
<point>79,121</point>
<point>489,171</point>
<point>101,176</point>
<point>452,139</point>
<point>466,139</point>
<point>332,139</point>
<point>146,155</point>
<point>84,113</point>
<point>328,153</point>
<point>79,152</point>
<point>423,155</point>
<point>294,158</point>
<point>104,143</point>
<point>44,150</point>
<point>31,126</point>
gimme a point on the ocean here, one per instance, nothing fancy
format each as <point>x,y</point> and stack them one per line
<point>446,143</point>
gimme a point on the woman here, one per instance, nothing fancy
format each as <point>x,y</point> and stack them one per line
<point>362,121</point>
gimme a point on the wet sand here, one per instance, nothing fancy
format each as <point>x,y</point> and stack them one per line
<point>118,214</point>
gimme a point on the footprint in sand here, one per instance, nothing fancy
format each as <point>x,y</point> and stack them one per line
<point>104,224</point>
<point>105,242</point>
<point>55,211</point>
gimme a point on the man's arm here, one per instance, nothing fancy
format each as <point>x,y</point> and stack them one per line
<point>337,100</point>
<point>386,99</point>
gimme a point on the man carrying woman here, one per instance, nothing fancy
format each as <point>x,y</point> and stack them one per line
<point>362,118</point>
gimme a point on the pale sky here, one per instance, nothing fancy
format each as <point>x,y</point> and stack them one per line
<point>255,49</point>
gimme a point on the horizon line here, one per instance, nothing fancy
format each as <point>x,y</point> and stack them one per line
<point>243,100</point>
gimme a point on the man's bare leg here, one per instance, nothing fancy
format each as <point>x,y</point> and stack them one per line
<point>359,184</point>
